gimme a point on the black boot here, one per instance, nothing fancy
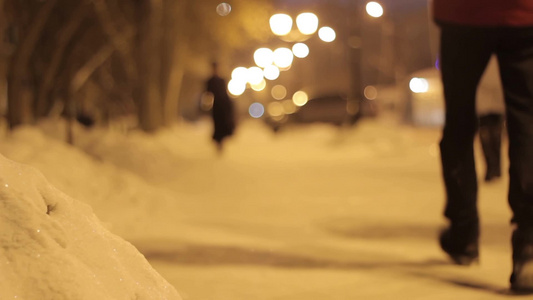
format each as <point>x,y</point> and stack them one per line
<point>461,243</point>
<point>522,276</point>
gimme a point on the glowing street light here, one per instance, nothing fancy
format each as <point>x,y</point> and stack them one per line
<point>260,86</point>
<point>288,107</point>
<point>281,24</point>
<point>307,23</point>
<point>300,98</point>
<point>275,109</point>
<point>283,57</point>
<point>240,74</point>
<point>278,92</point>
<point>271,72</point>
<point>327,34</point>
<point>263,57</point>
<point>300,50</point>
<point>256,110</point>
<point>223,9</point>
<point>418,85</point>
<point>255,75</point>
<point>374,9</point>
<point>236,87</point>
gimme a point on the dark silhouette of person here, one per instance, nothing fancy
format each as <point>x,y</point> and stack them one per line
<point>490,109</point>
<point>223,113</point>
<point>472,31</point>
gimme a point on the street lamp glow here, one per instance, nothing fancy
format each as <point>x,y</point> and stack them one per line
<point>374,9</point>
<point>300,50</point>
<point>370,92</point>
<point>240,74</point>
<point>236,87</point>
<point>271,72</point>
<point>327,34</point>
<point>278,92</point>
<point>255,75</point>
<point>300,98</point>
<point>275,109</point>
<point>418,85</point>
<point>260,86</point>
<point>307,23</point>
<point>283,57</point>
<point>256,110</point>
<point>281,24</point>
<point>263,57</point>
<point>223,9</point>
<point>288,107</point>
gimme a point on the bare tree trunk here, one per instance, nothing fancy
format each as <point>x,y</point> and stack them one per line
<point>20,95</point>
<point>173,69</point>
<point>64,38</point>
<point>173,88</point>
<point>119,37</point>
<point>150,101</point>
<point>3,59</point>
<point>78,80</point>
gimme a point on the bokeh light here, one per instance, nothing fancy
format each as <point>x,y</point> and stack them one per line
<point>370,92</point>
<point>236,87</point>
<point>374,9</point>
<point>327,34</point>
<point>283,57</point>
<point>289,107</point>
<point>255,75</point>
<point>271,72</point>
<point>281,24</point>
<point>240,74</point>
<point>418,85</point>
<point>307,23</point>
<point>256,110</point>
<point>278,92</point>
<point>300,98</point>
<point>275,109</point>
<point>223,9</point>
<point>300,50</point>
<point>263,57</point>
<point>259,86</point>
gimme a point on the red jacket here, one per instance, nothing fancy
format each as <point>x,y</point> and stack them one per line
<point>486,13</point>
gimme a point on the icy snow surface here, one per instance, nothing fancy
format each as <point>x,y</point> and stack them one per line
<point>54,247</point>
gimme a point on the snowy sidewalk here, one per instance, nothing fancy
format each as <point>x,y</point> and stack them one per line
<point>320,214</point>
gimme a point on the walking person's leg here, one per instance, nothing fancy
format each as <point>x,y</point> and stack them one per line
<point>465,53</point>
<point>515,55</point>
<point>490,132</point>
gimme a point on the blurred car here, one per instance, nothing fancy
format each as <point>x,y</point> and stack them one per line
<point>330,109</point>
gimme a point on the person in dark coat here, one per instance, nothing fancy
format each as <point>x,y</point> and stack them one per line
<point>223,110</point>
<point>472,31</point>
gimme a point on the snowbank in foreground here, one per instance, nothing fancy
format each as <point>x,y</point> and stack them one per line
<point>54,247</point>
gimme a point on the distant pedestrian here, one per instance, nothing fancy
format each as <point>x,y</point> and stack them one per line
<point>472,31</point>
<point>223,113</point>
<point>490,109</point>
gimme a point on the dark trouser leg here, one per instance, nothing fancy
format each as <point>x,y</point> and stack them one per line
<point>515,55</point>
<point>490,131</point>
<point>464,56</point>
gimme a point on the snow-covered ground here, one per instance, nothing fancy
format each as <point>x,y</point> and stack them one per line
<point>313,212</point>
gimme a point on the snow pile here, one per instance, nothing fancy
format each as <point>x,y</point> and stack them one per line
<point>54,247</point>
<point>126,203</point>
